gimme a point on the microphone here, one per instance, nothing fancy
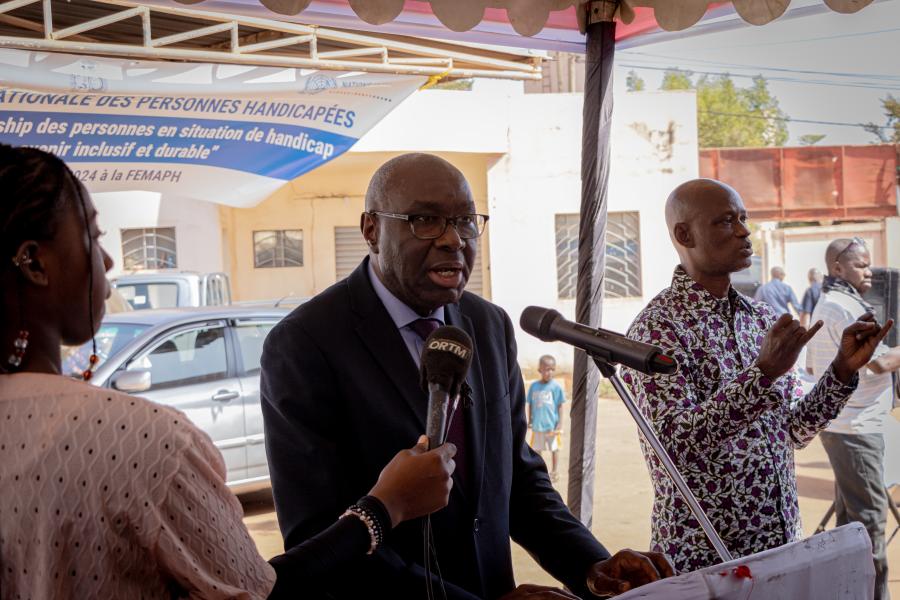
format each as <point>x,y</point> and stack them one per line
<point>550,326</point>
<point>445,361</point>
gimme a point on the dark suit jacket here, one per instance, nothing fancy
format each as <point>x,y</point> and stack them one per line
<point>340,397</point>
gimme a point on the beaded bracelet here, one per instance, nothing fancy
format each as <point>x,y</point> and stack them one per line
<point>376,535</point>
<point>377,509</point>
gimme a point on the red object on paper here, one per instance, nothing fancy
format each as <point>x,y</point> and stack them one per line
<point>743,572</point>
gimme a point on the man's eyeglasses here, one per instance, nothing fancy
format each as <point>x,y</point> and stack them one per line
<point>856,241</point>
<point>431,227</point>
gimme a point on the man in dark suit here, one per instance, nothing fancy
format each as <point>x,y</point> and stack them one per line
<point>340,396</point>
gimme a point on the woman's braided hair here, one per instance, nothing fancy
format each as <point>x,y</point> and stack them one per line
<point>32,183</point>
<point>32,201</point>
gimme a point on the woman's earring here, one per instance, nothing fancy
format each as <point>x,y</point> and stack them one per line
<point>89,372</point>
<point>19,346</point>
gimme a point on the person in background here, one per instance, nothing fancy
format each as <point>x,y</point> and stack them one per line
<point>105,495</point>
<point>811,295</point>
<point>544,412</point>
<point>854,440</point>
<point>777,293</point>
<point>731,415</point>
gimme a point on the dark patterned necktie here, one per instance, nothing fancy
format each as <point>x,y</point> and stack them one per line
<point>424,327</point>
<point>456,435</point>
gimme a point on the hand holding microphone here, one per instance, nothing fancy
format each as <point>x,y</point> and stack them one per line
<point>416,482</point>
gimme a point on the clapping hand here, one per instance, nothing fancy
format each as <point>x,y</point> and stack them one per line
<point>858,343</point>
<point>782,345</point>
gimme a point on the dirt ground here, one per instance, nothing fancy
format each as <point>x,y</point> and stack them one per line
<point>622,496</point>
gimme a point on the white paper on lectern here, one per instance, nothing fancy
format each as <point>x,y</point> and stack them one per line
<point>833,564</point>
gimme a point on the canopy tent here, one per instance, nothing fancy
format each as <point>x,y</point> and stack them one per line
<point>322,34</point>
<point>548,24</point>
<point>172,32</point>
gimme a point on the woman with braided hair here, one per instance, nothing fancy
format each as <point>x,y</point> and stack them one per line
<point>105,495</point>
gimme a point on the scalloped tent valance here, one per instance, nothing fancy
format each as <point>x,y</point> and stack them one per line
<point>529,17</point>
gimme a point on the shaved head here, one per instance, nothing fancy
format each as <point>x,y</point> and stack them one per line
<point>777,272</point>
<point>688,199</point>
<point>401,174</point>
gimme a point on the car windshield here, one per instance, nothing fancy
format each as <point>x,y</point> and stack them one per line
<point>111,338</point>
<point>149,295</point>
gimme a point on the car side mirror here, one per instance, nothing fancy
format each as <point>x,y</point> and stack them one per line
<point>131,382</point>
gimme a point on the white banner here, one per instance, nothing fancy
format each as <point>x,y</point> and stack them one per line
<point>222,133</point>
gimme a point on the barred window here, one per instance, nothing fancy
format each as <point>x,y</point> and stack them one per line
<point>566,255</point>
<point>149,248</point>
<point>278,248</point>
<point>623,255</point>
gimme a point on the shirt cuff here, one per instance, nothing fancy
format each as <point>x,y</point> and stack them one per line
<point>753,380</point>
<point>833,385</point>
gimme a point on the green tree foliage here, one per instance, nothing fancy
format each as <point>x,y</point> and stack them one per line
<point>675,79</point>
<point>634,83</point>
<point>811,139</point>
<point>890,132</point>
<point>729,116</point>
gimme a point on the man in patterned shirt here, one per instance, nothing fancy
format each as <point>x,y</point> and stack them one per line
<point>732,414</point>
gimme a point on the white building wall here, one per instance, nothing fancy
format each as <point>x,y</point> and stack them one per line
<point>198,234</point>
<point>654,148</point>
<point>474,121</point>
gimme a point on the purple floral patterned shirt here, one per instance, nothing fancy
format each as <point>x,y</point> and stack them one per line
<point>730,429</point>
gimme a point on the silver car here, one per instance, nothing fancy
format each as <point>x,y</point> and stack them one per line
<point>203,361</point>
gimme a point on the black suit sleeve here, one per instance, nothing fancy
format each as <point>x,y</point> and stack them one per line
<point>311,568</point>
<point>539,520</point>
<point>301,410</point>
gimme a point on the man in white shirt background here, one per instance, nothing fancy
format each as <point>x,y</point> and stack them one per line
<point>854,440</point>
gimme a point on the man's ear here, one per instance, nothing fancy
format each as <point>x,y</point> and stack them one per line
<point>682,234</point>
<point>836,269</point>
<point>29,258</point>
<point>369,229</point>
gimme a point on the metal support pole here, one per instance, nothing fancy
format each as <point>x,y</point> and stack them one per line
<point>596,126</point>
<point>609,371</point>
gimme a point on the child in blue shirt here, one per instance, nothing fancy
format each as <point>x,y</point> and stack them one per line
<point>545,397</point>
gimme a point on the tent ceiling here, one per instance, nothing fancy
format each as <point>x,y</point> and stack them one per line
<point>529,17</point>
<point>138,30</point>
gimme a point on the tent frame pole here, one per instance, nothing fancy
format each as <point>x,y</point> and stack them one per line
<point>597,114</point>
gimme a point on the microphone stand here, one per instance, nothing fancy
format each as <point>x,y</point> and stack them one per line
<point>610,371</point>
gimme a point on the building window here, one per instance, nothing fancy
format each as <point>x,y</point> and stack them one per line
<point>349,249</point>
<point>149,248</point>
<point>566,255</point>
<point>278,248</point>
<point>623,255</point>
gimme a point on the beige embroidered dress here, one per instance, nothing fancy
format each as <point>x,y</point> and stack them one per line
<point>104,495</point>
